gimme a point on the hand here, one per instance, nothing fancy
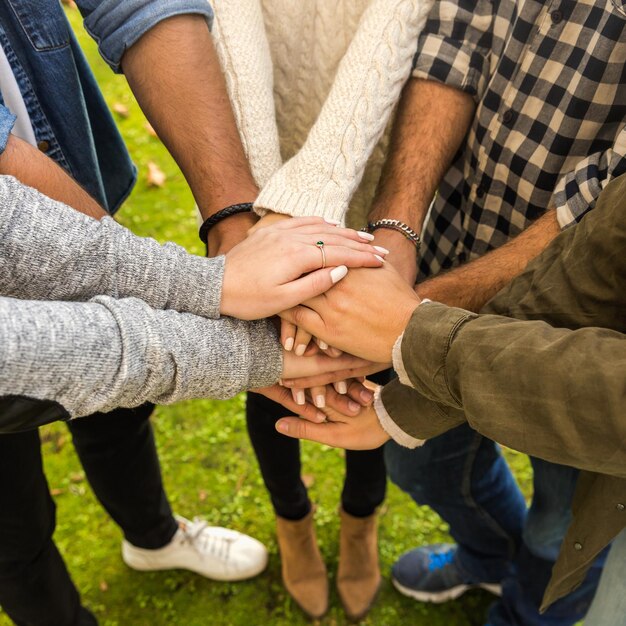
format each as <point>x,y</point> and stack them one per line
<point>363,315</point>
<point>264,273</point>
<point>363,432</point>
<point>225,235</point>
<point>402,253</point>
<point>320,367</point>
<point>335,376</point>
<point>269,219</point>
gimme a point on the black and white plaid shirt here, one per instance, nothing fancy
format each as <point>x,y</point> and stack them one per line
<point>549,79</point>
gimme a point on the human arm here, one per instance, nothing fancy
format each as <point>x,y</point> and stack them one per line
<point>29,165</point>
<point>49,251</point>
<point>166,51</point>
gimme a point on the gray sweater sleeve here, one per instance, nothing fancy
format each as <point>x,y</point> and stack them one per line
<point>107,353</point>
<point>49,251</point>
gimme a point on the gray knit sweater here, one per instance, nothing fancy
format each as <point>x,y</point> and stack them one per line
<point>94,317</point>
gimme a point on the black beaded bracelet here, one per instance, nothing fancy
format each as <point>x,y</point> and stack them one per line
<point>398,226</point>
<point>234,209</point>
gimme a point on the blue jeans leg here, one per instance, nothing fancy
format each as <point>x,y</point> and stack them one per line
<point>463,477</point>
<point>546,524</point>
<point>609,604</point>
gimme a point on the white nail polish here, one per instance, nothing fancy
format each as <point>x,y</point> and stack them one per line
<point>320,401</point>
<point>289,344</point>
<point>331,221</point>
<point>300,350</point>
<point>337,273</point>
<point>300,398</point>
<point>342,388</point>
<point>322,344</point>
<point>380,258</point>
<point>381,249</point>
<point>366,236</point>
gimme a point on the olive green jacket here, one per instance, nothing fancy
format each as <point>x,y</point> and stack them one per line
<point>549,379</point>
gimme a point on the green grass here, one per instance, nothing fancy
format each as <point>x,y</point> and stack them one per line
<point>210,470</point>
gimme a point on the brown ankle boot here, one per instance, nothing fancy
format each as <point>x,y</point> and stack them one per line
<point>358,578</point>
<point>304,572</point>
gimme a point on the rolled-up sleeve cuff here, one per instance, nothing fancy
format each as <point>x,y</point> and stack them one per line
<point>575,194</point>
<point>7,121</point>
<point>390,427</point>
<point>116,25</point>
<point>452,63</point>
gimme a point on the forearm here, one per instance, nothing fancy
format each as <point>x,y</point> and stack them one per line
<point>431,124</point>
<point>473,284</point>
<point>175,75</point>
<point>525,384</point>
<point>108,353</point>
<point>31,167</point>
<point>48,251</point>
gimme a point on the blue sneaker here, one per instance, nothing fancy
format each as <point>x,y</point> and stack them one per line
<point>431,574</point>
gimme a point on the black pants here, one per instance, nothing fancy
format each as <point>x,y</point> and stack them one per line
<point>279,459</point>
<point>118,454</point>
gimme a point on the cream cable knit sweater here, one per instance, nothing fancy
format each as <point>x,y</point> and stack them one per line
<point>338,69</point>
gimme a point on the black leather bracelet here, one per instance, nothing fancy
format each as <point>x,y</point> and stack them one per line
<point>234,209</point>
<point>398,226</point>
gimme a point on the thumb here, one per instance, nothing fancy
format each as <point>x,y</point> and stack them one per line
<point>301,429</point>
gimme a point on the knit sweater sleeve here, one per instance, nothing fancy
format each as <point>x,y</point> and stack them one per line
<point>107,353</point>
<point>49,251</point>
<point>244,53</point>
<point>322,177</point>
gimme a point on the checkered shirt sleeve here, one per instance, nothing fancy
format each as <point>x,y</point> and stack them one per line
<point>577,191</point>
<point>455,46</point>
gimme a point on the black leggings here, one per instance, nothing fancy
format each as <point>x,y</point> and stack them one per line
<point>279,459</point>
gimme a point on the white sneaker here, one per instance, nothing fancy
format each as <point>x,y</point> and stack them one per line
<point>211,551</point>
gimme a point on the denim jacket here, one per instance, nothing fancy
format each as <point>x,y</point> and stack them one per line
<point>71,121</point>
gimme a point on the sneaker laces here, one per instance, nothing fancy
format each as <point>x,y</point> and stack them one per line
<point>437,560</point>
<point>216,545</point>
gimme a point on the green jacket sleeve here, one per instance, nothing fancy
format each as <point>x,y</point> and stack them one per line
<point>555,393</point>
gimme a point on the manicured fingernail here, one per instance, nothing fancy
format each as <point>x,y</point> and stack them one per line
<point>300,397</point>
<point>322,344</point>
<point>342,388</point>
<point>380,258</point>
<point>289,344</point>
<point>301,349</point>
<point>332,222</point>
<point>381,249</point>
<point>320,401</point>
<point>321,416</point>
<point>366,396</point>
<point>283,427</point>
<point>366,236</point>
<point>353,406</point>
<point>337,273</point>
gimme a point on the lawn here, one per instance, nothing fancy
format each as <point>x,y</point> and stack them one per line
<point>210,470</point>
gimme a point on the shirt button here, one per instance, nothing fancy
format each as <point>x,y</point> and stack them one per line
<point>480,192</point>
<point>620,507</point>
<point>44,146</point>
<point>578,546</point>
<point>556,17</point>
<point>508,117</point>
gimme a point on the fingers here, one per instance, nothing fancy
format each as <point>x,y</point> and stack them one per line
<point>303,338</point>
<point>328,378</point>
<point>309,286</point>
<point>298,396</point>
<point>318,394</point>
<point>360,393</point>
<point>304,317</point>
<point>341,403</point>
<point>300,429</point>
<point>287,335</point>
<point>283,396</point>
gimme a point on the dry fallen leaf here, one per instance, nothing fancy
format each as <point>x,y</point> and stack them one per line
<point>56,492</point>
<point>202,495</point>
<point>78,477</point>
<point>103,586</point>
<point>121,109</point>
<point>156,176</point>
<point>308,480</point>
<point>150,130</point>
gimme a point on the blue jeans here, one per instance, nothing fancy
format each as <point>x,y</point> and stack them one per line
<point>609,605</point>
<point>464,478</point>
